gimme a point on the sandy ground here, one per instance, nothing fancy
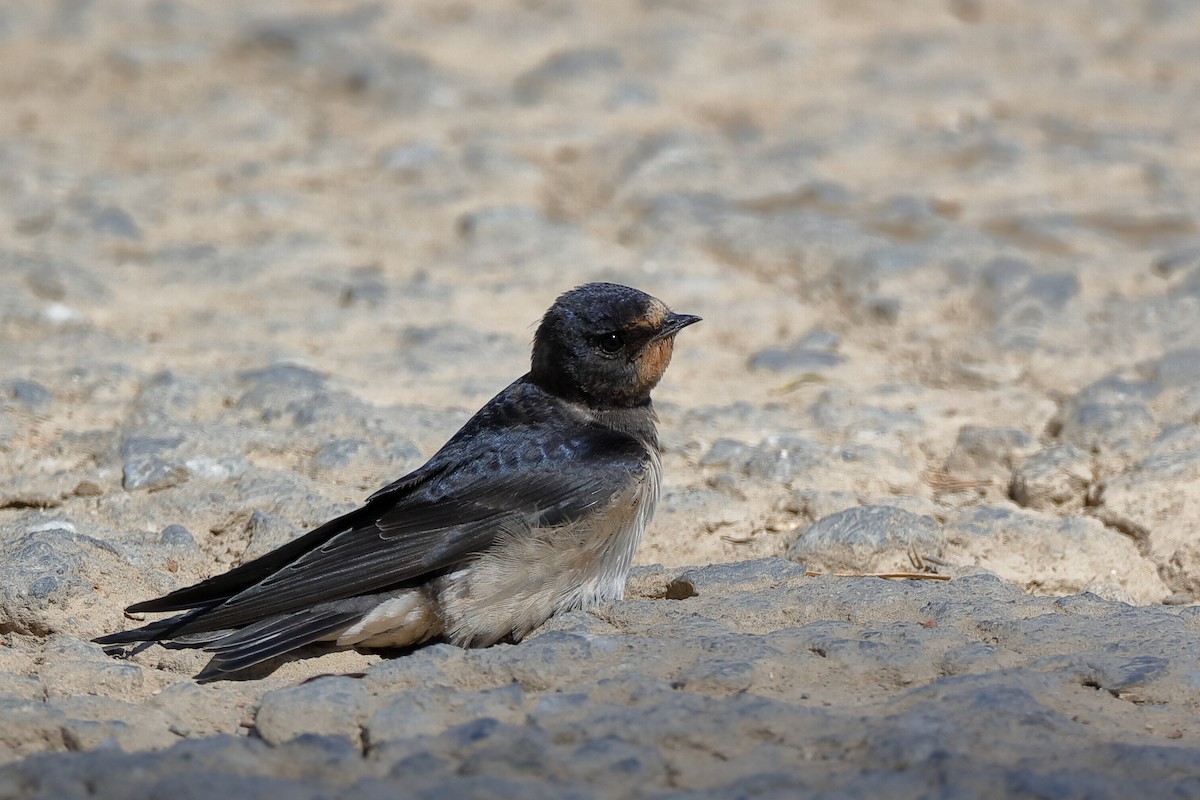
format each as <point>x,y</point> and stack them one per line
<point>257,261</point>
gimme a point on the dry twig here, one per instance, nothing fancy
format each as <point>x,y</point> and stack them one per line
<point>903,576</point>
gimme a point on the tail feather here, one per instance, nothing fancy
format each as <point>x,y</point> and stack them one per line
<point>286,634</point>
<point>269,630</point>
<point>155,631</point>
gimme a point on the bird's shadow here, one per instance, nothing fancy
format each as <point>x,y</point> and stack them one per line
<point>267,668</point>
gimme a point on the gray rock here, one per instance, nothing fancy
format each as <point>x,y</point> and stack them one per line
<point>330,706</point>
<point>265,532</point>
<point>434,710</point>
<point>115,221</point>
<point>1176,368</point>
<point>865,538</point>
<point>339,50</point>
<point>297,397</point>
<point>64,676</point>
<point>186,261</point>
<point>366,287</point>
<point>836,411</point>
<point>1024,302</point>
<point>785,458</point>
<point>781,458</point>
<point>411,160</point>
<point>339,454</point>
<point>1177,261</point>
<point>177,536</point>
<point>28,395</point>
<point>1098,427</point>
<point>728,453</point>
<point>54,279</point>
<point>168,454</point>
<point>280,494</point>
<point>28,728</point>
<point>1189,287</point>
<point>163,401</point>
<point>563,73</point>
<point>282,376</point>
<point>152,473</point>
<point>40,565</point>
<point>1113,390</point>
<point>1056,477</point>
<point>794,359</point>
<point>885,262</point>
<point>813,353</point>
<point>820,339</point>
<point>906,218</point>
<point>1030,549</point>
<point>1132,502</point>
<point>988,451</point>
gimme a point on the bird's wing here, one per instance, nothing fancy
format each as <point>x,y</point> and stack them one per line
<point>474,440</point>
<point>515,482</point>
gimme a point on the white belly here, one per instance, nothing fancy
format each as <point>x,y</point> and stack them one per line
<point>403,619</point>
<point>528,576</point>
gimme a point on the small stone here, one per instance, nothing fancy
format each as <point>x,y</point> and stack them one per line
<point>784,458</point>
<point>794,359</point>
<point>1177,261</point>
<point>152,474</point>
<point>434,710</point>
<point>865,538</point>
<point>1057,477</point>
<point>176,535</point>
<point>266,532</point>
<point>982,451</point>
<point>570,68</point>
<point>410,160</point>
<point>728,453</point>
<point>1177,368</point>
<point>115,222</point>
<point>87,488</point>
<point>338,453</point>
<point>329,705</point>
<point>30,395</point>
<point>1098,427</point>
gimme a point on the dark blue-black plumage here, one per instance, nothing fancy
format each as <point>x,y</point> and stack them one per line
<point>559,447</point>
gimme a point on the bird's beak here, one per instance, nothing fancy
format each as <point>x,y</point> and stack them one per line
<point>674,323</point>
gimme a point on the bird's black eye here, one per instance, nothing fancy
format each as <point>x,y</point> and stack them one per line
<point>610,343</point>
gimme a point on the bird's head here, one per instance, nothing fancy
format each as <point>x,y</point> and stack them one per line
<point>605,345</point>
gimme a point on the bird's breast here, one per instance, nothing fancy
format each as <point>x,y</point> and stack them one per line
<point>529,575</point>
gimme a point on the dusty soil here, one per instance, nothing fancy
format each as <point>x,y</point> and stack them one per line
<point>258,260</point>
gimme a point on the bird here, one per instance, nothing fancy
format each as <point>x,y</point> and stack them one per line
<point>535,507</point>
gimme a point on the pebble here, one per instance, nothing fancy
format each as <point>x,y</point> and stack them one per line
<point>1056,477</point>
<point>865,539</point>
<point>564,73</point>
<point>980,451</point>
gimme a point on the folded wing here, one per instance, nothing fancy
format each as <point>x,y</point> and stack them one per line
<point>530,474</point>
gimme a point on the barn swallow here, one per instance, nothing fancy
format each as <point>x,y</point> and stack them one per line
<point>535,507</point>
